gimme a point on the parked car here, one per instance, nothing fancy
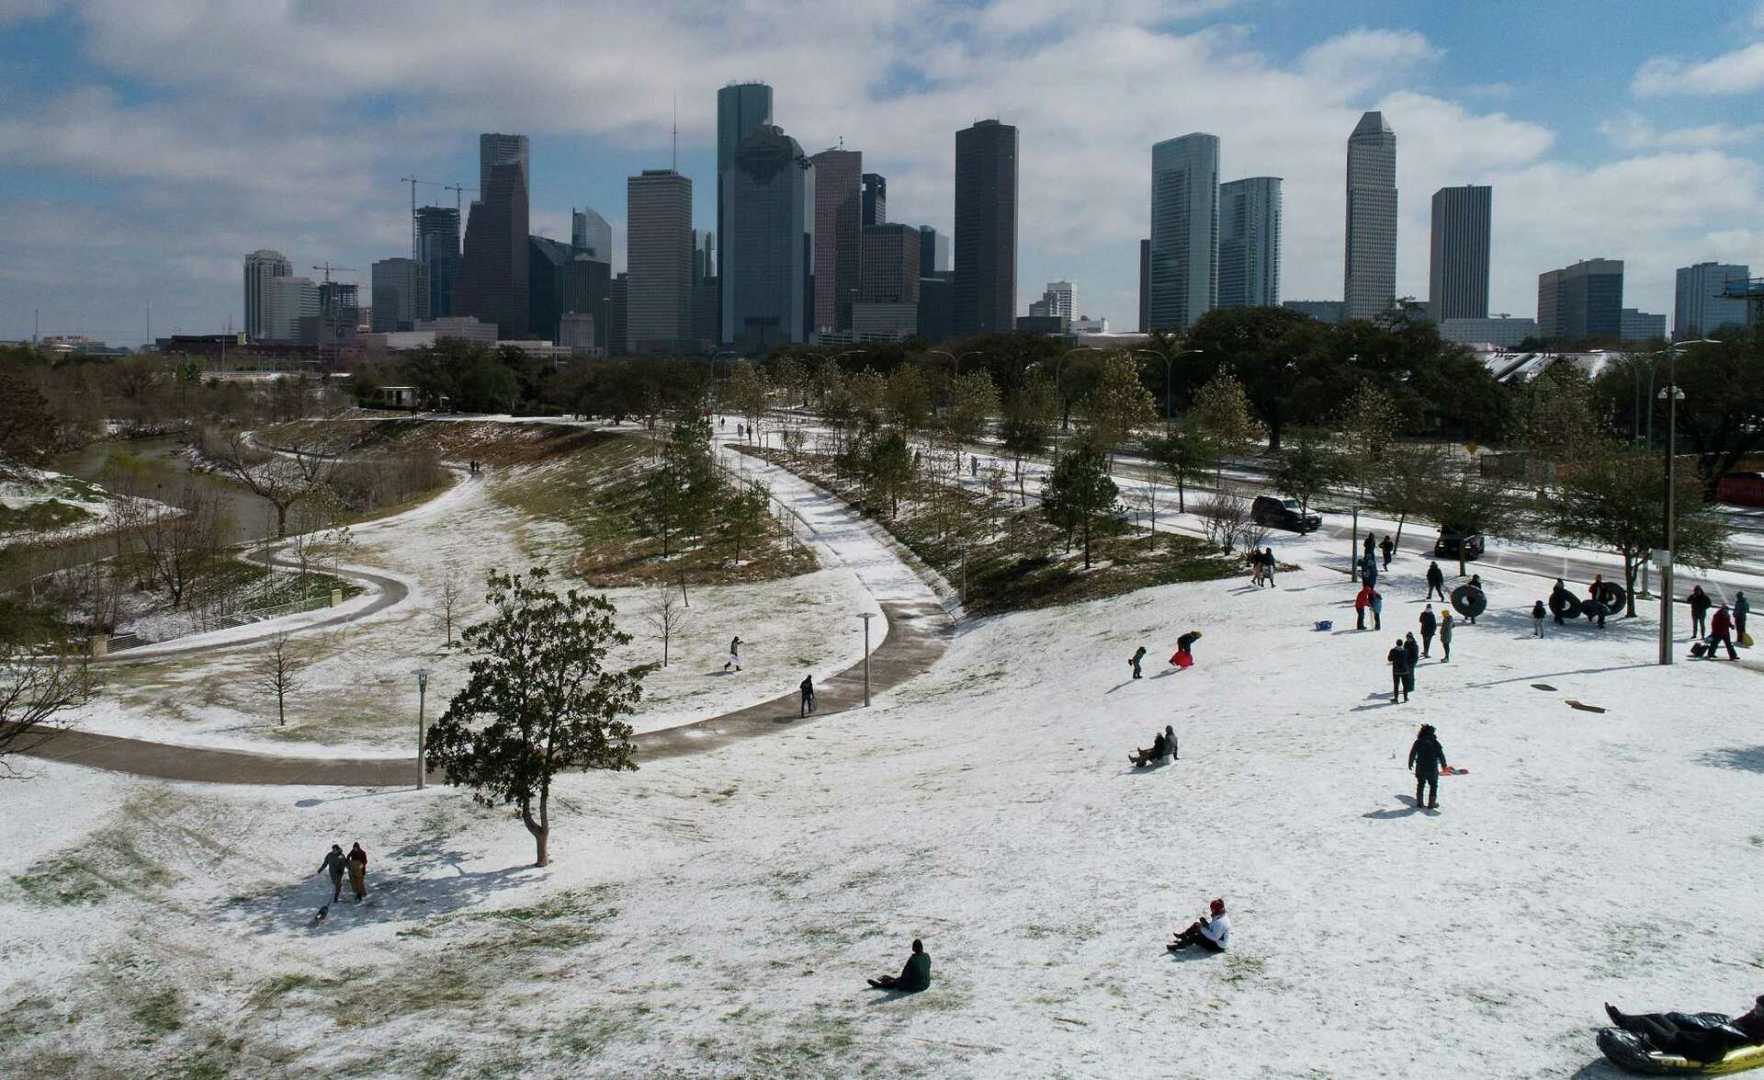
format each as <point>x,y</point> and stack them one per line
<point>1449,543</point>
<point>1282,514</point>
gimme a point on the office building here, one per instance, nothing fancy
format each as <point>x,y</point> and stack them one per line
<point>286,301</point>
<point>707,258</point>
<point>767,242</point>
<point>1184,231</point>
<point>493,280</point>
<point>591,233</point>
<point>985,228</point>
<point>707,309</point>
<point>575,332</point>
<point>438,251</point>
<point>400,294</point>
<point>1636,325</point>
<point>891,265</point>
<point>1369,262</point>
<point>875,211</point>
<point>741,109</point>
<point>658,259</point>
<point>1144,286</point>
<point>1702,305</point>
<point>839,238</point>
<point>933,250</point>
<point>936,316</point>
<point>588,291</point>
<point>1062,299</point>
<point>1324,311</point>
<point>459,328</point>
<point>1249,242</point>
<point>261,267</point>
<point>1581,302</point>
<point>548,271</point>
<point>1458,269</point>
<point>1503,332</point>
<point>616,335</point>
<point>494,150</point>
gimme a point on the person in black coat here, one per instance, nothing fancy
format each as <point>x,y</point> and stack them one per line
<point>1559,596</point>
<point>1699,607</point>
<point>808,694</point>
<point>1386,548</point>
<point>1429,623</point>
<point>914,977</point>
<point>1412,650</point>
<point>1427,757</point>
<point>1398,657</point>
<point>1435,581</point>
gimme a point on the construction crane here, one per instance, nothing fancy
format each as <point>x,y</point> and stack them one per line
<point>458,206</point>
<point>328,349</point>
<point>413,181</point>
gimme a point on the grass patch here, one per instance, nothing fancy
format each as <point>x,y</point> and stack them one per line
<point>159,1012</point>
<point>44,516</point>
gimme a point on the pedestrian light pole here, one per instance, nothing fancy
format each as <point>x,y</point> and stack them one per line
<point>1670,394</point>
<point>422,675</point>
<point>867,616</point>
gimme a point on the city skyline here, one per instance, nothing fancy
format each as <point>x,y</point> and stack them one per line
<point>177,169</point>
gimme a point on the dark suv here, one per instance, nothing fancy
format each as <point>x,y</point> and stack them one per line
<point>1282,514</point>
<point>1449,544</point>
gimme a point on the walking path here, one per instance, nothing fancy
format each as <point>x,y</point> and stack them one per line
<point>914,632</point>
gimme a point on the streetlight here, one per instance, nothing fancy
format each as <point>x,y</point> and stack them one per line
<point>1167,358</point>
<point>1670,393</point>
<point>422,675</point>
<point>867,616</point>
<point>1059,368</point>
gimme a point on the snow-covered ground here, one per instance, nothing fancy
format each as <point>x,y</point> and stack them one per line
<point>716,915</point>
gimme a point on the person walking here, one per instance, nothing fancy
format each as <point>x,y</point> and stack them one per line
<point>357,871</point>
<point>1445,637</point>
<point>1362,601</point>
<point>1429,623</point>
<point>1413,648</point>
<point>1435,581</point>
<point>1386,548</point>
<point>734,660</point>
<point>1138,655</point>
<point>1741,607</point>
<point>1398,658</point>
<point>1426,758</point>
<point>1537,619</point>
<point>808,695</point>
<point>1721,633</point>
<point>1476,585</point>
<point>1699,608</point>
<point>1369,570</point>
<point>1559,597</point>
<point>336,866</point>
<point>1369,548</point>
<point>1377,610</point>
<point>1268,565</point>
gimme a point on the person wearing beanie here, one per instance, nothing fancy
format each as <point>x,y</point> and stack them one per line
<point>1211,931</point>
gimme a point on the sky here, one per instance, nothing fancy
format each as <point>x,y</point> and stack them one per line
<point>147,145</point>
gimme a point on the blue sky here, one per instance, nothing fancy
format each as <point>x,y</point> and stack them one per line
<point>147,146</point>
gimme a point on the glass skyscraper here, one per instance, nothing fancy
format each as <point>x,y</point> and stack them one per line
<point>985,296</point>
<point>767,241</point>
<point>1249,242</point>
<point>741,108</point>
<point>1184,255</point>
<point>1457,278</point>
<point>1369,260</point>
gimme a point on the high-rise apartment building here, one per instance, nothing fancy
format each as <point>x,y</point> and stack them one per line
<point>1062,299</point>
<point>741,108</point>
<point>261,267</point>
<point>591,233</point>
<point>838,235</point>
<point>1581,302</point>
<point>767,241</point>
<point>400,294</point>
<point>286,302</point>
<point>493,277</point>
<point>1702,305</point>
<point>1457,280</point>
<point>438,251</point>
<point>875,199</point>
<point>495,149</point>
<point>933,250</point>
<point>1184,231</point>
<point>985,299</point>
<point>1249,242</point>
<point>658,259</point>
<point>1369,262</point>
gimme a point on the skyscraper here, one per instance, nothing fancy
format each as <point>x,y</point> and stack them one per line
<point>1249,242</point>
<point>548,274</point>
<point>1184,231</point>
<point>1457,279</point>
<point>400,294</point>
<point>438,251</point>
<point>933,250</point>
<point>1581,302</point>
<point>985,228</point>
<point>891,265</point>
<point>741,107</point>
<point>493,277</point>
<point>261,267</point>
<point>591,233</point>
<point>1701,306</point>
<point>838,235</point>
<point>875,199</point>
<point>495,149</point>
<point>1145,286</point>
<point>618,293</point>
<point>287,301</point>
<point>766,241</point>
<point>658,256</point>
<point>1369,264</point>
<point>1062,299</point>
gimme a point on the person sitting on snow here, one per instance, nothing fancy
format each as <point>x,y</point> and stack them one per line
<point>1699,1037</point>
<point>916,976</point>
<point>1163,746</point>
<point>1210,933</point>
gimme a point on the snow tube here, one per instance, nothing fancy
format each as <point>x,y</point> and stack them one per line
<point>1183,658</point>
<point>1565,604</point>
<point>1612,596</point>
<point>1469,601</point>
<point>1632,1052</point>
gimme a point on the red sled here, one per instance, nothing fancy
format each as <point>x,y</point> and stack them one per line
<point>1447,770</point>
<point>1183,658</point>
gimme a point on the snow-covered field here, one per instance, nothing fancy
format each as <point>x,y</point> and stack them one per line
<point>716,915</point>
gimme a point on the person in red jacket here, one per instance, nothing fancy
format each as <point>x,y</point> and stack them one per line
<point>1362,601</point>
<point>1721,633</point>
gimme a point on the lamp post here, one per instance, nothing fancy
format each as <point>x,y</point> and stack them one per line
<point>1671,394</point>
<point>867,616</point>
<point>422,675</point>
<point>1166,358</point>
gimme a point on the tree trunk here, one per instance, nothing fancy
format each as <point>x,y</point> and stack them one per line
<point>1180,508</point>
<point>1402,517</point>
<point>281,520</point>
<point>1631,560</point>
<point>1460,558</point>
<point>1086,541</point>
<point>541,830</point>
<point>281,713</point>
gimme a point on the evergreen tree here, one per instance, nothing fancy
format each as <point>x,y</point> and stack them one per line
<point>1078,492</point>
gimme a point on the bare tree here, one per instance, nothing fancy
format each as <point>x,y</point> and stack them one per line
<point>179,548</point>
<point>35,688</point>
<point>280,670</point>
<point>281,478</point>
<point>449,604</point>
<point>667,614</point>
<point>1223,515</point>
<point>1147,496</point>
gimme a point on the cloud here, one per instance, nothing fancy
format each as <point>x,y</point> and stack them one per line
<point>1737,72</point>
<point>1361,59</point>
<point>1631,132</point>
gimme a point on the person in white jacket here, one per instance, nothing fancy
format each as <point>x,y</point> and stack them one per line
<point>1210,932</point>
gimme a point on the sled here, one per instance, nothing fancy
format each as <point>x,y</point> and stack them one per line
<point>1633,1053</point>
<point>1469,601</point>
<point>1325,624</point>
<point>1542,686</point>
<point>1584,707</point>
<point>1183,659</point>
<point>1745,641</point>
<point>1447,770</point>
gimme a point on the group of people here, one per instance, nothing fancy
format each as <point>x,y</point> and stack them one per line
<point>474,467</point>
<point>1183,657</point>
<point>1370,550</point>
<point>1163,750</point>
<point>1261,567</point>
<point>1403,658</point>
<point>1722,630</point>
<point>354,864</point>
